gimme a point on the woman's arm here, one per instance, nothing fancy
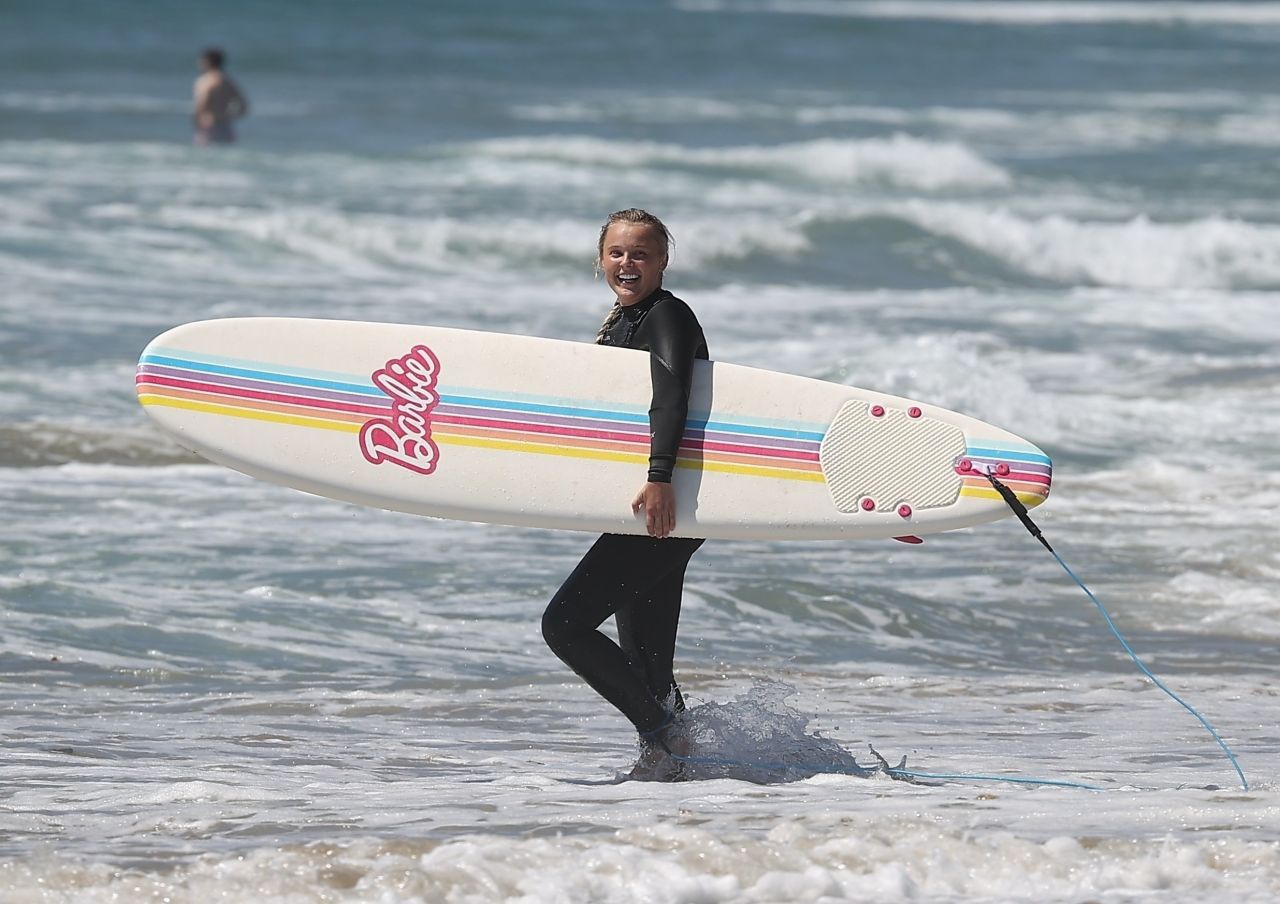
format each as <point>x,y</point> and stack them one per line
<point>673,346</point>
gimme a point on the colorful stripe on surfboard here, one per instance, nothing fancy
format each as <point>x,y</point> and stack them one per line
<point>472,417</point>
<point>535,424</point>
<point>1024,469</point>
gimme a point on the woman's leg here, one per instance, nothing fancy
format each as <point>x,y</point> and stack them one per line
<point>647,627</point>
<point>620,572</point>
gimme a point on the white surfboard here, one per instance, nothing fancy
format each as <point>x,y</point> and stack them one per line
<point>545,433</point>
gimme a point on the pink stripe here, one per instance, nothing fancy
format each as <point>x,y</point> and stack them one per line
<point>1029,477</point>
<point>483,417</point>
<point>626,439</point>
<point>523,427</point>
<point>226,391</point>
<point>766,451</point>
<point>979,479</point>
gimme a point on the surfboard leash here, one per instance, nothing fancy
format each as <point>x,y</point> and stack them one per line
<point>900,772</point>
<point>1020,510</point>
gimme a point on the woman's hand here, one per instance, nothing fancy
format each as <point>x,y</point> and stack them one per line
<point>658,501</point>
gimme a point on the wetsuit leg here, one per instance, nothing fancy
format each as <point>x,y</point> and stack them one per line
<point>622,572</point>
<point>647,634</point>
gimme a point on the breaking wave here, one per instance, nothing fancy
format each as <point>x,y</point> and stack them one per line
<point>43,444</point>
<point>1006,12</point>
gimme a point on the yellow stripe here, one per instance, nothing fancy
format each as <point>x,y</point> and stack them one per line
<point>250,413</point>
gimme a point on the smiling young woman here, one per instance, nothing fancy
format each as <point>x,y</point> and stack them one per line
<point>639,580</point>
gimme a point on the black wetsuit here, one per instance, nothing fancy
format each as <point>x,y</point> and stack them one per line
<point>637,579</point>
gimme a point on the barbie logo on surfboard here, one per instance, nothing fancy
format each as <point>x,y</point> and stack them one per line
<point>404,437</point>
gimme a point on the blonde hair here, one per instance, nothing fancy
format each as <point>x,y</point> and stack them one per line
<point>640,218</point>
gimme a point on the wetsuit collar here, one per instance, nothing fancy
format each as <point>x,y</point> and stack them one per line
<point>633,312</point>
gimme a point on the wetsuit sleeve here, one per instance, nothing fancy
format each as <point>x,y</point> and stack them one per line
<point>674,337</point>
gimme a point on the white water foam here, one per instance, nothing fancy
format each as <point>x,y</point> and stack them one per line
<point>178,105</point>
<point>896,160</point>
<point>1122,122</point>
<point>857,856</point>
<point>1080,238</point>
<point>1208,252</point>
<point>1012,12</point>
<point>79,102</point>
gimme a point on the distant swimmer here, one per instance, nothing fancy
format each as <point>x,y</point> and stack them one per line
<point>218,101</point>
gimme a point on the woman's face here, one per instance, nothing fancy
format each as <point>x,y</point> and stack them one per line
<point>632,261</point>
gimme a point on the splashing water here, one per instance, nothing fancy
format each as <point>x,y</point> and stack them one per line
<point>759,737</point>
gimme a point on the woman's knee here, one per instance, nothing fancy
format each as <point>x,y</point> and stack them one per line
<point>557,628</point>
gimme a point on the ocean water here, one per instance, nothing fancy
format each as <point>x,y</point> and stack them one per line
<point>1061,216</point>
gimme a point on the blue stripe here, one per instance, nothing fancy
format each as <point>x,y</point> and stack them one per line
<point>266,376</point>
<point>204,358</point>
<point>229,382</point>
<point>1007,454</point>
<point>748,430</point>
